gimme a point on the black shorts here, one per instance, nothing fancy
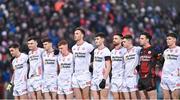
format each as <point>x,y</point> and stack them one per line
<point>148,83</point>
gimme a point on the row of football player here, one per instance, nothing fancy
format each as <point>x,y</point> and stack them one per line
<point>68,74</point>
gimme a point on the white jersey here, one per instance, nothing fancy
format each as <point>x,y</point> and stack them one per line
<point>50,65</point>
<point>171,67</point>
<point>117,61</point>
<point>35,61</point>
<point>131,59</point>
<point>66,64</point>
<point>82,56</point>
<point>20,66</point>
<point>99,61</point>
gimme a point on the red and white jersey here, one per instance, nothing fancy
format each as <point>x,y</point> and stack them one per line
<point>82,56</point>
<point>131,59</point>
<point>50,64</point>
<point>171,65</point>
<point>118,61</point>
<point>66,65</point>
<point>99,61</point>
<point>20,66</point>
<point>35,61</point>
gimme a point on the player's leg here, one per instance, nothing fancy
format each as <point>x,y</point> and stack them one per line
<point>152,94</point>
<point>116,95</point>
<point>104,93</point>
<point>39,94</point>
<point>85,92</point>
<point>77,93</point>
<point>175,94</point>
<point>114,90</point>
<point>32,95</point>
<point>24,96</point>
<point>54,95</point>
<point>95,94</point>
<point>16,97</point>
<point>166,94</point>
<point>134,95</point>
<point>47,95</point>
<point>61,97</point>
<point>69,96</point>
<point>126,95</point>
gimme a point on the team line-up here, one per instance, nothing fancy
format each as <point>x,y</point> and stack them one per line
<point>128,71</point>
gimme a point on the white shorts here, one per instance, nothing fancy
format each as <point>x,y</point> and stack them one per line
<point>49,85</point>
<point>116,84</point>
<point>130,84</point>
<point>34,84</point>
<point>169,83</point>
<point>95,84</point>
<point>20,89</point>
<point>81,80</point>
<point>65,85</point>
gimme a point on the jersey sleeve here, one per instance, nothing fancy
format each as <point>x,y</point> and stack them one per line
<point>90,48</point>
<point>107,55</point>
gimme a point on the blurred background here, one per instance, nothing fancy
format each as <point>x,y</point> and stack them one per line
<point>57,19</point>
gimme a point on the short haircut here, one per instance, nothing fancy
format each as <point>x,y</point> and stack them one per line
<point>148,36</point>
<point>174,35</point>
<point>46,39</point>
<point>62,42</point>
<point>120,35</point>
<point>81,29</point>
<point>33,38</point>
<point>128,37</point>
<point>15,45</point>
<point>100,34</point>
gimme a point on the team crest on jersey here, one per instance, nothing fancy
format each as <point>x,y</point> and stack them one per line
<point>149,52</point>
<point>171,50</point>
<point>176,51</point>
<point>78,48</point>
<point>68,59</point>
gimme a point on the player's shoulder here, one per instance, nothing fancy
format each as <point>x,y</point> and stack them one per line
<point>87,43</point>
<point>137,48</point>
<point>41,49</point>
<point>106,49</point>
<point>24,55</point>
<point>178,47</point>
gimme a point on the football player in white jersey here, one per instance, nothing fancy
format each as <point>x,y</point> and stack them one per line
<point>20,66</point>
<point>170,80</point>
<point>35,69</point>
<point>131,60</point>
<point>82,54</point>
<point>101,68</point>
<point>117,55</point>
<point>50,70</point>
<point>66,65</point>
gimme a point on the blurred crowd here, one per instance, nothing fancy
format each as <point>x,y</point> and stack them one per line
<point>57,19</point>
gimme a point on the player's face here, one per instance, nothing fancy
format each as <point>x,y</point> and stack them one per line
<point>99,41</point>
<point>116,40</point>
<point>63,48</point>
<point>13,51</point>
<point>143,40</point>
<point>47,45</point>
<point>78,35</point>
<point>125,43</point>
<point>32,44</point>
<point>170,41</point>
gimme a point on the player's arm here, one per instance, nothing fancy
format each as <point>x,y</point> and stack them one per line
<point>107,70</point>
<point>28,69</point>
<point>11,83</point>
<point>91,62</point>
<point>107,66</point>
